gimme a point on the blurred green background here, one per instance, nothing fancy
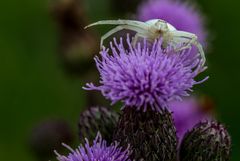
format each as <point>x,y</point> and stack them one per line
<point>33,85</point>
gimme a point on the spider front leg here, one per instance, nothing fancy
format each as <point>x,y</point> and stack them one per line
<point>119,28</point>
<point>119,22</point>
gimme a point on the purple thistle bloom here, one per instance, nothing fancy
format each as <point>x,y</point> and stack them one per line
<point>181,15</point>
<point>145,77</point>
<point>99,151</point>
<point>186,114</point>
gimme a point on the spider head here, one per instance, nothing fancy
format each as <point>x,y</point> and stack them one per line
<point>160,25</point>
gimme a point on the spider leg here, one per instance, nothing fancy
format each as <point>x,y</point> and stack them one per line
<point>143,35</point>
<point>189,43</point>
<point>142,29</point>
<point>190,39</point>
<point>119,28</point>
<point>120,22</point>
<point>201,51</point>
<point>199,47</point>
<point>181,37</point>
<point>136,37</point>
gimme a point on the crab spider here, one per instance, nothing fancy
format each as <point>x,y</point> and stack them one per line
<point>152,29</point>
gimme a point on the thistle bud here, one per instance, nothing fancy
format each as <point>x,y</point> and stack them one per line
<point>47,136</point>
<point>97,119</point>
<point>207,141</point>
<point>151,134</point>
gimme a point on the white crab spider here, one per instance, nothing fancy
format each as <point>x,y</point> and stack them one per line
<point>153,29</point>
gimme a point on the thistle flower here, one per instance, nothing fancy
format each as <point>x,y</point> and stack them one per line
<point>181,15</point>
<point>97,119</point>
<point>206,141</point>
<point>98,151</point>
<point>186,114</point>
<point>145,77</point>
<point>152,135</point>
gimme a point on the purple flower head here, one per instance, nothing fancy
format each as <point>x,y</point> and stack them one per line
<point>99,151</point>
<point>143,77</point>
<point>181,15</point>
<point>186,114</point>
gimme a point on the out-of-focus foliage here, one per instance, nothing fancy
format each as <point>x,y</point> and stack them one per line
<point>34,86</point>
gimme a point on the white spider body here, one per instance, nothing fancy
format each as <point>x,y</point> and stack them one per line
<point>153,29</point>
<point>161,24</point>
